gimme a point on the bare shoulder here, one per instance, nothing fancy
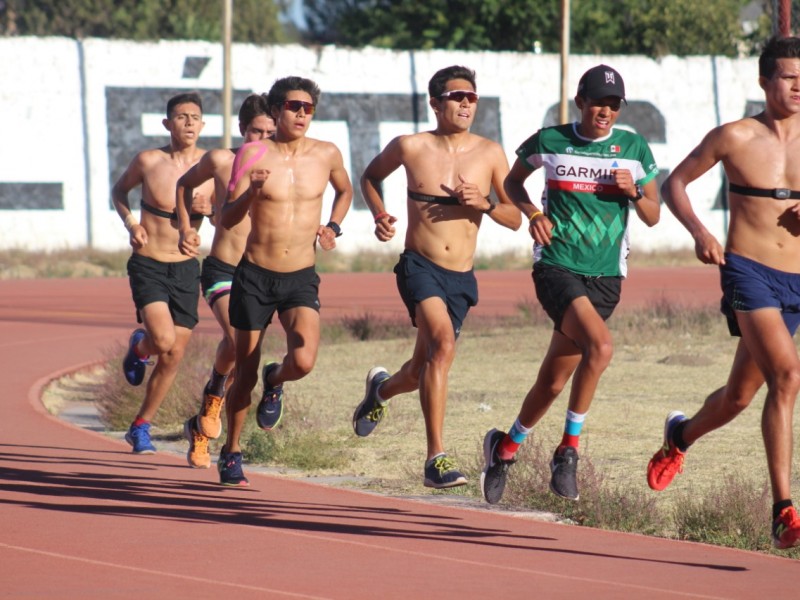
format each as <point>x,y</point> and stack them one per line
<point>324,149</point>
<point>217,157</point>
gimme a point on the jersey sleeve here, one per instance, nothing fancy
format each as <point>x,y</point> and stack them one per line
<point>530,151</point>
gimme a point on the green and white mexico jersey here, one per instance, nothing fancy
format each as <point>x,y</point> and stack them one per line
<point>588,211</point>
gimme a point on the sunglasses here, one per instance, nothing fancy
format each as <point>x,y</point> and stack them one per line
<point>296,105</point>
<point>459,95</point>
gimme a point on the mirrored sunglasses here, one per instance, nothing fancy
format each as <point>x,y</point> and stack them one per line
<point>459,95</point>
<point>296,105</point>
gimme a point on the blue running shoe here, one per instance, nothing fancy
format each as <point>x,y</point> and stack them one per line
<point>441,472</point>
<point>133,366</point>
<point>370,412</point>
<point>138,437</point>
<point>229,466</point>
<point>270,409</point>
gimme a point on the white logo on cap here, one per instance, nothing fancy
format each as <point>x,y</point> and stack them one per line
<point>610,77</point>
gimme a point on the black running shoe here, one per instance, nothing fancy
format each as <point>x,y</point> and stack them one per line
<point>564,468</point>
<point>270,409</point>
<point>230,470</point>
<point>370,412</point>
<point>441,472</point>
<point>495,470</point>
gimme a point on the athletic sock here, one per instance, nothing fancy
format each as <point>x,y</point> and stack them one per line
<point>779,506</point>
<point>509,445</point>
<point>677,436</point>
<point>139,422</point>
<point>216,385</point>
<point>572,429</point>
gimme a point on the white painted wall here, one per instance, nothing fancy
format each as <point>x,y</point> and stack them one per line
<point>53,119</point>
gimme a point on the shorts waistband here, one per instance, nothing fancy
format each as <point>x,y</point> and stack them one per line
<point>246,264</point>
<point>417,255</point>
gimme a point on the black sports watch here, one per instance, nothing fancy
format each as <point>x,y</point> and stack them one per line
<point>639,194</point>
<point>337,231</point>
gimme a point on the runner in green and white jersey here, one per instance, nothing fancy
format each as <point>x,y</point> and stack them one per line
<point>594,175</point>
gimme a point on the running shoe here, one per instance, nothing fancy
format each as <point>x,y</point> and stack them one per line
<point>209,421</point>
<point>441,472</point>
<point>564,471</point>
<point>270,409</point>
<point>138,437</point>
<point>668,461</point>
<point>495,470</point>
<point>197,456</point>
<point>370,412</point>
<point>133,366</point>
<point>786,529</point>
<point>230,470</point>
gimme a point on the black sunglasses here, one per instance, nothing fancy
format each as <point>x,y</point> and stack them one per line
<point>459,95</point>
<point>296,105</point>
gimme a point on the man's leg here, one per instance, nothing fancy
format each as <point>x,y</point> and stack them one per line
<point>773,349</point>
<point>168,342</point>
<point>436,332</point>
<point>725,403</point>
<point>248,358</point>
<point>302,329</point>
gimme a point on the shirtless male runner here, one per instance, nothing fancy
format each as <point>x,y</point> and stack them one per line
<point>760,276</point>
<point>281,182</point>
<point>216,274</point>
<point>164,282</point>
<point>450,173</point>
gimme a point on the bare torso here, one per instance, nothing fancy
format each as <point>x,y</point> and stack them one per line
<point>762,229</point>
<point>285,214</point>
<point>160,172</point>
<point>445,234</point>
<point>228,244</point>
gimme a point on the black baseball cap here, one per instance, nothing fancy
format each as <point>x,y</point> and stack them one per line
<point>601,81</point>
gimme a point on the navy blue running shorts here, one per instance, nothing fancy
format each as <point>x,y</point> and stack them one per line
<point>748,285</point>
<point>419,279</point>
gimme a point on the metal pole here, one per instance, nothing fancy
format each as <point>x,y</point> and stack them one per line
<point>563,109</point>
<point>227,94</point>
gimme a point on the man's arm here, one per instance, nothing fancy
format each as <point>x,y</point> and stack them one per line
<point>132,177</point>
<point>250,181</point>
<point>504,213</point>
<point>673,190</point>
<point>383,165</point>
<point>184,197</point>
<point>343,189</point>
<point>539,226</point>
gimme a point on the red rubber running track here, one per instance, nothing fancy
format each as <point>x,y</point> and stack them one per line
<point>82,517</point>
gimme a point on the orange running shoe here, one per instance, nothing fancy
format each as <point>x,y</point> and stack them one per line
<point>197,456</point>
<point>786,529</point>
<point>209,422</point>
<point>668,461</point>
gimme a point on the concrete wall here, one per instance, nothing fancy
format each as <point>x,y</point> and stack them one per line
<point>74,113</point>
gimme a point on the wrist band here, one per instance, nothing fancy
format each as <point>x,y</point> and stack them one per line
<point>130,221</point>
<point>538,213</point>
<point>380,215</point>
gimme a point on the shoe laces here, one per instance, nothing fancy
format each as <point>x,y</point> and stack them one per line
<point>672,459</point>
<point>199,442</point>
<point>377,413</point>
<point>212,406</point>
<point>788,518</point>
<point>443,464</point>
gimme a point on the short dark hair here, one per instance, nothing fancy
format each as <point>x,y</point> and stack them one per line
<point>436,86</point>
<point>183,98</point>
<point>775,48</point>
<point>281,87</point>
<point>253,106</point>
